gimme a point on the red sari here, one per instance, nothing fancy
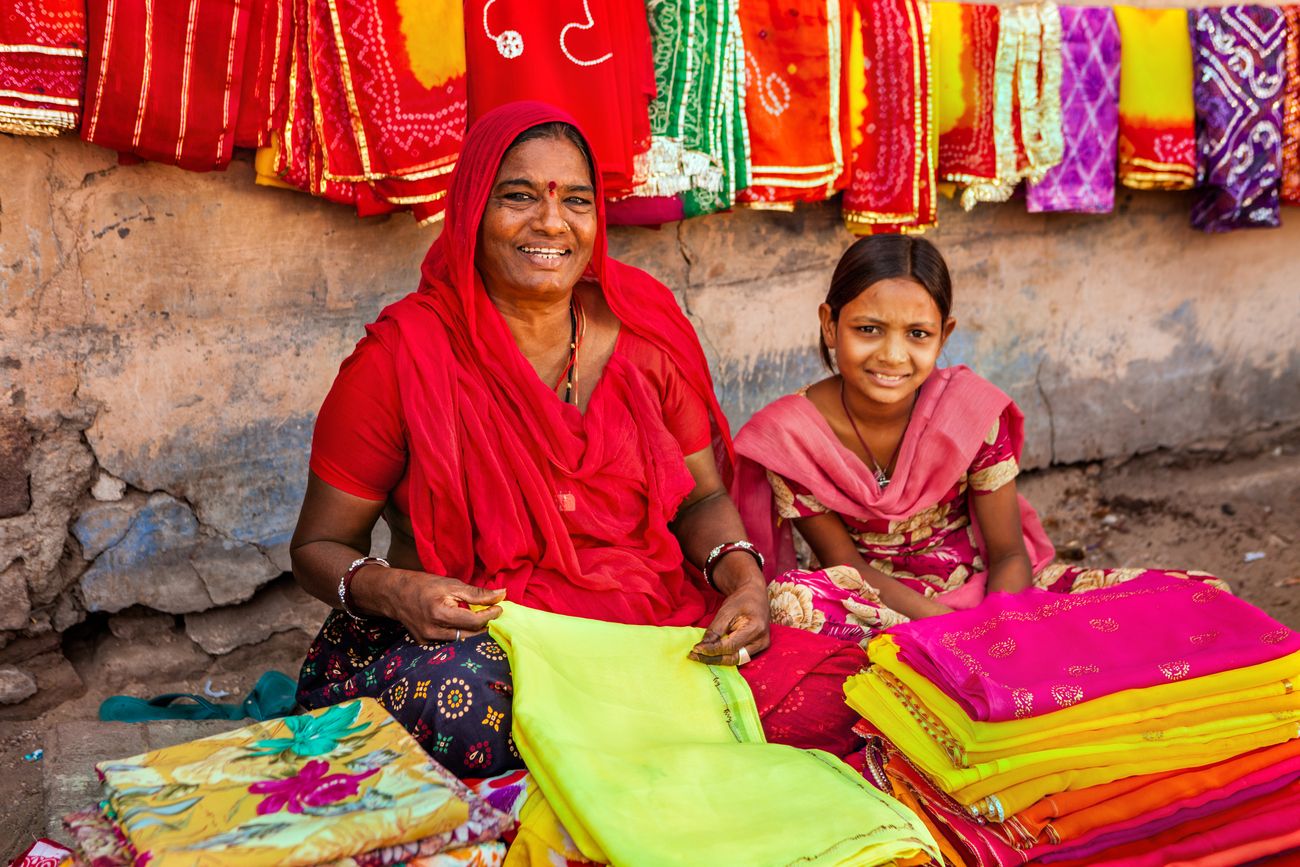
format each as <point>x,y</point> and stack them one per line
<point>492,455</point>
<point>164,79</point>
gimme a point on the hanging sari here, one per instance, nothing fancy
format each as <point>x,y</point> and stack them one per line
<point>1240,65</point>
<point>1085,179</point>
<point>699,148</point>
<point>165,79</point>
<point>1157,124</point>
<point>1039,144</point>
<point>263,100</point>
<point>966,47</point>
<point>1291,110</point>
<point>590,57</point>
<point>42,66</point>
<point>793,100</point>
<point>892,182</point>
<point>680,739</point>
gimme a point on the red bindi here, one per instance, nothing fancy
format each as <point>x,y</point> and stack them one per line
<point>551,187</point>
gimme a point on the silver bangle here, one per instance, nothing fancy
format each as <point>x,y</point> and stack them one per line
<point>723,550</point>
<point>345,582</point>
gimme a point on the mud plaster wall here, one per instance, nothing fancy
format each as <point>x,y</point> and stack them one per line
<point>166,338</point>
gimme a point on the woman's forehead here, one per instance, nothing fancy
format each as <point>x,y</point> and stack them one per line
<point>543,160</point>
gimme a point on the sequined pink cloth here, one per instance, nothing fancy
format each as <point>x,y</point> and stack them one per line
<point>1034,652</point>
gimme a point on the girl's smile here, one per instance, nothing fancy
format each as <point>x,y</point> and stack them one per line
<point>887,342</point>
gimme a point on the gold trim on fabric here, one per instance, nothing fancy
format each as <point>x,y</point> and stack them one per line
<point>415,200</point>
<point>191,23</point>
<point>42,49</point>
<point>39,97</point>
<point>1000,188</point>
<point>433,220</point>
<point>835,39</point>
<point>88,131</point>
<point>226,124</point>
<point>1049,145</point>
<point>358,130</point>
<point>281,13</point>
<point>783,207</point>
<point>35,121</point>
<point>145,75</point>
<point>994,477</point>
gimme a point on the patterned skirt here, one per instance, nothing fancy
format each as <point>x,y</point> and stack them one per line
<point>453,696</point>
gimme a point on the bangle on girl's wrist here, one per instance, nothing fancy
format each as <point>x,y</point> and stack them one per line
<point>345,582</point>
<point>723,550</point>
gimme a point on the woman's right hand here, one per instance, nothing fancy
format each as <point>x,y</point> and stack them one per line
<point>431,607</point>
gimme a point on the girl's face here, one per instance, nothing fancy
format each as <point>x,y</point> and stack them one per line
<point>887,340</point>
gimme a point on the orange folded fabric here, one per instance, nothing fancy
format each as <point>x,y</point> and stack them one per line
<point>1070,815</point>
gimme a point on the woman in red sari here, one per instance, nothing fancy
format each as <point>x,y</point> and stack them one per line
<point>536,422</point>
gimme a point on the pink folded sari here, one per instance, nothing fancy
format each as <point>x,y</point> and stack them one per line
<point>1107,641</point>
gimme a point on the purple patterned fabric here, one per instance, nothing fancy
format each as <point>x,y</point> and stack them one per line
<point>1239,53</point>
<point>1084,181</point>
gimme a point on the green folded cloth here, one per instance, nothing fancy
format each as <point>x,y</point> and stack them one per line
<point>274,695</point>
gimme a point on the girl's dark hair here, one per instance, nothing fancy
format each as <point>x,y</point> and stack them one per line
<point>557,129</point>
<point>886,257</point>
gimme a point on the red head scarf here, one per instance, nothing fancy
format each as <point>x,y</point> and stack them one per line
<point>489,440</point>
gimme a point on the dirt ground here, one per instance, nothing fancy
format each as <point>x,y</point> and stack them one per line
<point>1229,509</point>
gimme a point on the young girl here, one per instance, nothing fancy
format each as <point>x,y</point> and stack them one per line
<point>899,475</point>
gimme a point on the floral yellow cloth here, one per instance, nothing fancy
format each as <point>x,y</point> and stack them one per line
<point>997,769</point>
<point>644,755</point>
<point>337,783</point>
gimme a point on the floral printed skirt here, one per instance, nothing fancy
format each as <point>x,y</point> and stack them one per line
<point>453,696</point>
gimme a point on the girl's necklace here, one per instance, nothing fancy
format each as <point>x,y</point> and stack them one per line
<point>880,473</point>
<point>569,376</point>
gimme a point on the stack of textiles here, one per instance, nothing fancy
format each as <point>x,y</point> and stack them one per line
<point>1148,723</point>
<point>345,785</point>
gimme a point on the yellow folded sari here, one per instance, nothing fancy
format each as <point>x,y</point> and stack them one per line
<point>997,769</point>
<point>1157,119</point>
<point>1263,688</point>
<point>647,757</point>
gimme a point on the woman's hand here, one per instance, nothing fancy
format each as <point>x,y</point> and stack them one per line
<point>744,620</point>
<point>431,607</point>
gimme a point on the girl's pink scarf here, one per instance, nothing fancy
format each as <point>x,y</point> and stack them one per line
<point>954,411</point>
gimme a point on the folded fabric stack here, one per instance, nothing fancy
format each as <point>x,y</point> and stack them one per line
<point>1150,723</point>
<point>344,785</point>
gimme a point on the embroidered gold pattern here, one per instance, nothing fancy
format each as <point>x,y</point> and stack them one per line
<point>1066,694</point>
<point>1175,670</point>
<point>1003,648</point>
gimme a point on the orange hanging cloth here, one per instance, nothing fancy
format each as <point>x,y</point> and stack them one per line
<point>1291,110</point>
<point>892,176</point>
<point>793,99</point>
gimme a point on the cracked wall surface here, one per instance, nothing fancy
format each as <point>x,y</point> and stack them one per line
<point>166,338</point>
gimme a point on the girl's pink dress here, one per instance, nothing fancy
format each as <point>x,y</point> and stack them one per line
<point>964,441</point>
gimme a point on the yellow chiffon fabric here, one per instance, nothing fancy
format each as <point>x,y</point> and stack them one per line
<point>1157,115</point>
<point>996,769</point>
<point>646,757</point>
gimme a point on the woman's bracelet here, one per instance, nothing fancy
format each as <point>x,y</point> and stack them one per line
<point>723,550</point>
<point>345,582</point>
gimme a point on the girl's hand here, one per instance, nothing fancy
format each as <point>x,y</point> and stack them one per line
<point>431,607</point>
<point>927,607</point>
<point>744,620</point>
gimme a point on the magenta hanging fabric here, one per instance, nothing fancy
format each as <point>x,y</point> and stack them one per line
<point>1084,181</point>
<point>1239,57</point>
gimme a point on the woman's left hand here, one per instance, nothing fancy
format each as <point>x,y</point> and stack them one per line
<point>742,621</point>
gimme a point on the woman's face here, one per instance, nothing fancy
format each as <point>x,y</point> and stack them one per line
<point>539,227</point>
<point>887,340</point>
